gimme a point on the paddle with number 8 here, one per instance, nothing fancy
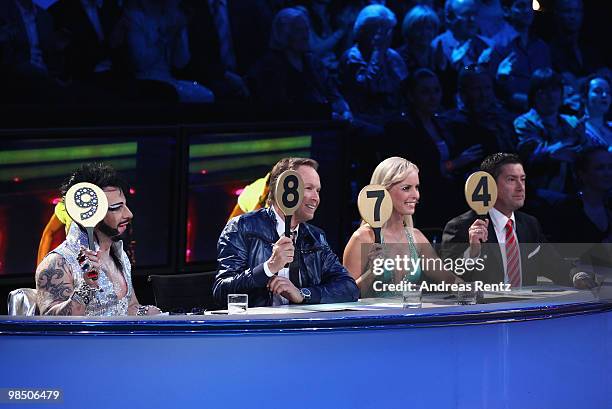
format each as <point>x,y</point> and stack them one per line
<point>289,193</point>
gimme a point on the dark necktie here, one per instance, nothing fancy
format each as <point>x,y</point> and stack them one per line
<point>294,266</point>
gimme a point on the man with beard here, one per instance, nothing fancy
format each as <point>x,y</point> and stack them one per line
<point>253,252</point>
<point>64,277</point>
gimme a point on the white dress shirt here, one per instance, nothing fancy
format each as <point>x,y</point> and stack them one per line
<point>283,272</point>
<point>499,225</point>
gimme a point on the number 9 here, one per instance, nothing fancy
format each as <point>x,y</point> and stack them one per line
<point>86,198</point>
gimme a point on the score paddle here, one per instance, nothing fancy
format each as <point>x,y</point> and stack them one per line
<point>481,192</point>
<point>87,205</point>
<point>375,207</point>
<point>288,194</point>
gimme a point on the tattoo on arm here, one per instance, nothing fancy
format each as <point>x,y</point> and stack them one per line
<point>54,284</point>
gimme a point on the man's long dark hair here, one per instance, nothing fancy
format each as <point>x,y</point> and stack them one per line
<point>98,173</point>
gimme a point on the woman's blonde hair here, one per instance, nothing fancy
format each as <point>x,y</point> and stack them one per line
<point>392,171</point>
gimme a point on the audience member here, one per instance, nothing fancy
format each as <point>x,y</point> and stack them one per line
<point>548,140</point>
<point>88,25</point>
<point>461,43</point>
<point>587,215</point>
<point>326,35</point>
<point>596,100</point>
<point>424,134</point>
<point>523,54</point>
<point>479,119</point>
<point>493,24</point>
<point>226,37</point>
<point>30,52</point>
<point>370,71</point>
<point>569,52</point>
<point>156,38</point>
<point>290,73</point>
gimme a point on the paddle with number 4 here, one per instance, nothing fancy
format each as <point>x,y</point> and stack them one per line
<point>481,192</point>
<point>375,207</point>
<point>87,205</point>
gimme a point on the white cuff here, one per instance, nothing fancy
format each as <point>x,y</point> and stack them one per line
<point>267,270</point>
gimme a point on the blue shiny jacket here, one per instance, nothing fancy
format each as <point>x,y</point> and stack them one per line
<point>246,243</point>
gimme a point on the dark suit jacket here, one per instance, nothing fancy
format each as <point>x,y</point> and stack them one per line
<point>85,50</point>
<point>250,27</point>
<point>15,53</point>
<point>537,256</point>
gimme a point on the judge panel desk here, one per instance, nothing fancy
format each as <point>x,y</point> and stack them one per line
<point>521,350</point>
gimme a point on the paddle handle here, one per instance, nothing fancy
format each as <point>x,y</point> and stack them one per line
<point>93,274</point>
<point>287,230</point>
<point>377,238</point>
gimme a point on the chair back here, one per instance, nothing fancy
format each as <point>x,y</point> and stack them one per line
<point>183,293</point>
<point>22,301</point>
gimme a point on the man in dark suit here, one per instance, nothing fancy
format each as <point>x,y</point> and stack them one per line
<point>88,24</point>
<point>30,54</point>
<point>226,37</point>
<point>517,251</point>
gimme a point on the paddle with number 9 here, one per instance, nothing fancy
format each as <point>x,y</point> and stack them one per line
<point>375,207</point>
<point>481,192</point>
<point>87,205</point>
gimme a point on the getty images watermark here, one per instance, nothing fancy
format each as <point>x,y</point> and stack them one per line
<point>408,267</point>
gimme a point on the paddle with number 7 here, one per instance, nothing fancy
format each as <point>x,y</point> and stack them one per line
<point>375,207</point>
<point>87,205</point>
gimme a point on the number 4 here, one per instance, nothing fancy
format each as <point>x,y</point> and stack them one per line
<point>481,193</point>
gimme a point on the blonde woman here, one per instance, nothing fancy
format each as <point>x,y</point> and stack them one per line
<point>401,178</point>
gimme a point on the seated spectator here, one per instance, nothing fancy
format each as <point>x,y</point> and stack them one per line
<point>421,24</point>
<point>492,23</point>
<point>521,57</point>
<point>596,99</point>
<point>419,28</point>
<point>568,50</point>
<point>156,38</point>
<point>461,43</point>
<point>587,215</point>
<point>479,119</point>
<point>88,24</point>
<point>424,134</point>
<point>290,73</point>
<point>30,54</point>
<point>226,37</point>
<point>326,37</point>
<point>370,71</point>
<point>548,141</point>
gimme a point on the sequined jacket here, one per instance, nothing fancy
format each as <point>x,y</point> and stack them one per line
<point>105,302</point>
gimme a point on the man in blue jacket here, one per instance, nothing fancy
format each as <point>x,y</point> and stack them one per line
<point>253,252</point>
